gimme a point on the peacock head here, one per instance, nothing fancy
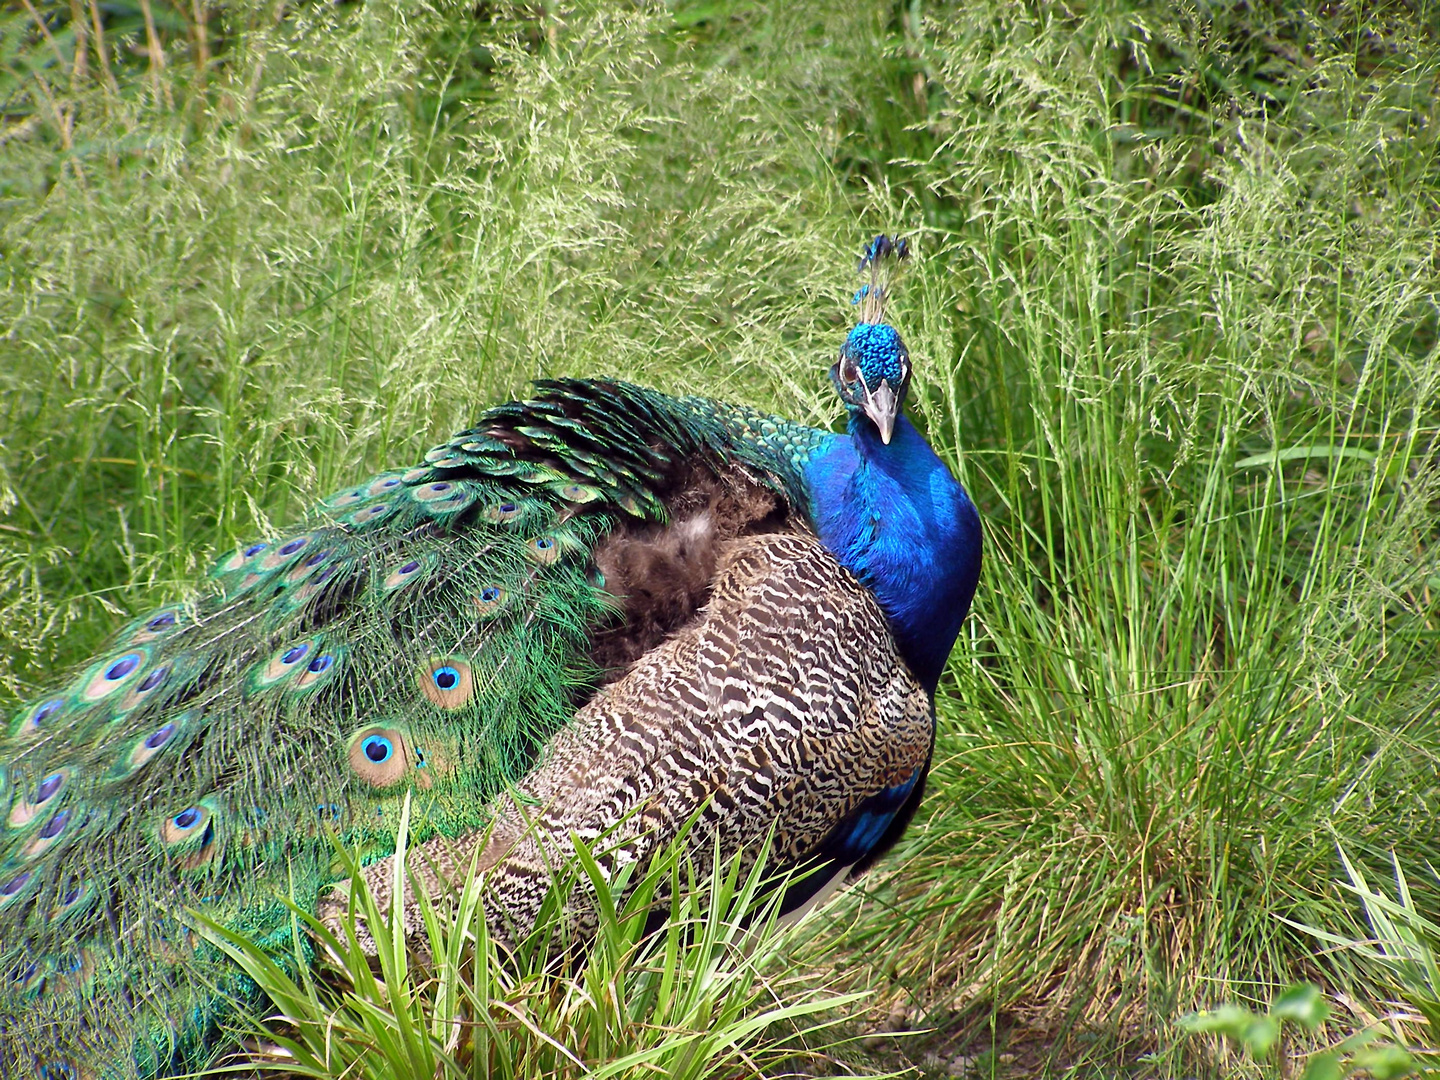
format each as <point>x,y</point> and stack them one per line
<point>873,370</point>
<point>872,375</point>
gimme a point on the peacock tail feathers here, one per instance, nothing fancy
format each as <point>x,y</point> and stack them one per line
<point>424,631</point>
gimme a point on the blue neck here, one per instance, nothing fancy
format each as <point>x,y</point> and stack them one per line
<point>897,518</point>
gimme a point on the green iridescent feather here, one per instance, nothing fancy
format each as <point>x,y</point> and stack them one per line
<point>424,631</point>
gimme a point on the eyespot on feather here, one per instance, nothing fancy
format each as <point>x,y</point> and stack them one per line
<point>16,887</point>
<point>405,573</point>
<point>580,493</point>
<point>43,799</point>
<point>349,497</point>
<point>369,515</point>
<point>504,511</point>
<point>414,476</point>
<point>157,681</point>
<point>36,719</point>
<point>184,825</point>
<point>144,749</point>
<point>445,507</point>
<point>383,485</point>
<point>189,835</point>
<point>543,549</point>
<point>307,566</point>
<point>282,553</point>
<point>156,625</point>
<point>323,666</point>
<point>241,557</point>
<point>114,674</point>
<point>435,490</point>
<point>431,762</point>
<point>75,899</point>
<point>287,661</point>
<point>379,755</point>
<point>325,576</point>
<point>447,682</point>
<point>51,833</point>
<point>490,601</point>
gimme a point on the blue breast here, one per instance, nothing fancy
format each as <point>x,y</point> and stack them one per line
<point>897,518</point>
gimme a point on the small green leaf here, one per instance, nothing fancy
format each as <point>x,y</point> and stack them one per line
<point>1363,1037</point>
<point>1323,1067</point>
<point>1302,1003</point>
<point>1261,1035</point>
<point>1229,1020</point>
<point>1384,1062</point>
<point>1301,453</point>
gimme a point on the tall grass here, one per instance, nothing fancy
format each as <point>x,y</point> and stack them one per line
<point>699,998</point>
<point>1200,409</point>
<point>1175,316</point>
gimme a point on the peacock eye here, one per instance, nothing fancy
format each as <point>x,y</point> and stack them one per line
<point>849,373</point>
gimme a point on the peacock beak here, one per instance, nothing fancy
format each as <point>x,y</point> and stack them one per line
<point>881,406</point>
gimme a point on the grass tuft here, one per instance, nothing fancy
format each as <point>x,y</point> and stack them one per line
<point>703,996</point>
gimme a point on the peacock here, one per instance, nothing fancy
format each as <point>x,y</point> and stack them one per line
<point>599,612</point>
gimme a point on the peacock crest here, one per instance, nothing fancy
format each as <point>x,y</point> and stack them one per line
<point>882,261</point>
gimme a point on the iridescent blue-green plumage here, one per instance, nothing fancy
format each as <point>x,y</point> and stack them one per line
<point>200,761</point>
<point>425,631</point>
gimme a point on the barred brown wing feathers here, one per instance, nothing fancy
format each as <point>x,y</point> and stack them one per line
<point>784,705</point>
